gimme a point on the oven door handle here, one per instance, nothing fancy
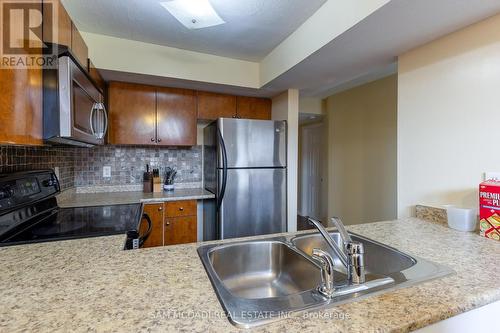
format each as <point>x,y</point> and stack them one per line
<point>144,237</point>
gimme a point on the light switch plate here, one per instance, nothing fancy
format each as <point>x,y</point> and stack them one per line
<point>492,176</point>
<point>106,171</point>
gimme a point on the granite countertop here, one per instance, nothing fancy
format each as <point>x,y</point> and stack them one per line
<point>92,285</point>
<point>73,199</point>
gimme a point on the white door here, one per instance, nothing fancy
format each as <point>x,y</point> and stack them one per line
<point>312,170</point>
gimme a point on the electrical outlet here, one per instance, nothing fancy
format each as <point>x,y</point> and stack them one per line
<point>106,171</point>
<point>492,176</point>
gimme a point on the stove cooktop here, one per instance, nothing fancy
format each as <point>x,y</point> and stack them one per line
<point>71,223</point>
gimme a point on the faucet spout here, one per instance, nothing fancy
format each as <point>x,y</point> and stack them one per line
<point>351,253</point>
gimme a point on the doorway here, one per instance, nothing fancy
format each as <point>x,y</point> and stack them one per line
<point>312,184</point>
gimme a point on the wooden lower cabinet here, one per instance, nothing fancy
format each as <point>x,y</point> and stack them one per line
<point>180,230</point>
<point>174,222</point>
<point>155,213</point>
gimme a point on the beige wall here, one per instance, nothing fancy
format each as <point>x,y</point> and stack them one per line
<point>449,117</point>
<point>132,56</point>
<point>286,107</point>
<point>311,105</point>
<point>362,152</point>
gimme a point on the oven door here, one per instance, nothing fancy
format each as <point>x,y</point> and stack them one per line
<point>82,113</point>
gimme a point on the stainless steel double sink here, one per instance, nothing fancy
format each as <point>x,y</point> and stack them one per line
<point>270,279</point>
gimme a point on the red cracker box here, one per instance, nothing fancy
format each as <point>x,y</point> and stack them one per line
<point>489,209</point>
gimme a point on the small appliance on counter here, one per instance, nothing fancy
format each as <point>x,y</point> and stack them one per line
<point>29,213</point>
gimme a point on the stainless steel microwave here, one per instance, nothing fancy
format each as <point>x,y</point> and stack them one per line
<point>73,107</point>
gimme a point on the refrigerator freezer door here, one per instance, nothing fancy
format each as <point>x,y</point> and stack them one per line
<point>254,203</point>
<point>252,143</point>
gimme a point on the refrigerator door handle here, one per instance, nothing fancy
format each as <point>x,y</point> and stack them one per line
<point>224,170</point>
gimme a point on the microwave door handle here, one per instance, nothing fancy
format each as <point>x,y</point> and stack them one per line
<point>106,122</point>
<point>92,119</point>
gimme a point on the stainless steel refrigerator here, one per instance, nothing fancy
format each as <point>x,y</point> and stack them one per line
<point>245,167</point>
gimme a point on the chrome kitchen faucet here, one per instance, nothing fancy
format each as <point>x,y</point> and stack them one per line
<point>350,253</point>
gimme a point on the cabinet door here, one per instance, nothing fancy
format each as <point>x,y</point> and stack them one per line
<point>62,34</point>
<point>254,108</point>
<point>176,117</point>
<point>180,230</point>
<point>132,115</point>
<point>212,106</point>
<point>155,213</point>
<point>20,103</point>
<point>96,76</point>
<point>78,46</point>
<point>180,208</point>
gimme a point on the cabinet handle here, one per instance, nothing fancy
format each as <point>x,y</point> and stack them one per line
<point>160,209</point>
<point>159,140</point>
<point>167,223</point>
<point>181,208</point>
<point>239,117</point>
<point>152,139</point>
<point>234,116</point>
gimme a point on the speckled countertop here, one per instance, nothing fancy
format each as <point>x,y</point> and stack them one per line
<point>73,199</point>
<point>92,285</point>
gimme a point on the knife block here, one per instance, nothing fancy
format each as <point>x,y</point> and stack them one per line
<point>157,185</point>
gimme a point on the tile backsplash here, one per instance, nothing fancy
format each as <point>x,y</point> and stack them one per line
<point>83,167</point>
<point>129,163</point>
<point>20,158</point>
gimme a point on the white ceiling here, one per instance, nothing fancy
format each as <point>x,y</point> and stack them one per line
<point>253,27</point>
<point>369,50</point>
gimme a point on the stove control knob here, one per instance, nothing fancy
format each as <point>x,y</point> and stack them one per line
<point>6,192</point>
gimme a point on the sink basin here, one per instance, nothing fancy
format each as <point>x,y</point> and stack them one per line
<point>266,280</point>
<point>379,258</point>
<point>263,269</point>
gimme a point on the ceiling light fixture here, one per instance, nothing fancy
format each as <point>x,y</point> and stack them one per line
<point>193,14</point>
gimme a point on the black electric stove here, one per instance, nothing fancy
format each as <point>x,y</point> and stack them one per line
<point>29,212</point>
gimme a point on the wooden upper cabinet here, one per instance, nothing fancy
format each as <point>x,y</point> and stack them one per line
<point>78,46</point>
<point>155,213</point>
<point>60,34</point>
<point>254,108</point>
<point>176,117</point>
<point>21,106</point>
<point>96,76</point>
<point>21,102</point>
<point>212,106</point>
<point>132,114</point>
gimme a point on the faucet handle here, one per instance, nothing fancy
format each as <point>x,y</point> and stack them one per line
<point>327,287</point>
<point>346,238</point>
<point>356,259</point>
